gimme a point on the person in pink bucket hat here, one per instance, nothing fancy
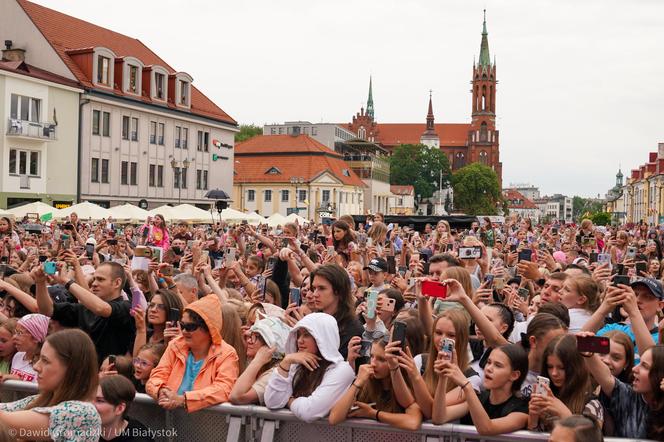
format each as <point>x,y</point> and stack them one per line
<point>30,334</point>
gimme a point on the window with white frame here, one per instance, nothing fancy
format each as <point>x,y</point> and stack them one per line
<point>24,162</point>
<point>134,129</point>
<point>133,79</point>
<point>268,196</point>
<point>159,86</point>
<point>125,127</point>
<point>103,70</point>
<point>153,132</point>
<point>326,196</point>
<point>284,196</point>
<point>185,137</point>
<point>251,195</point>
<point>302,195</point>
<point>184,93</point>
<point>162,129</point>
<point>25,108</point>
<point>178,135</point>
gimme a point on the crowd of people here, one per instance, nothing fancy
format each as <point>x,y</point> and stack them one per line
<point>505,326</point>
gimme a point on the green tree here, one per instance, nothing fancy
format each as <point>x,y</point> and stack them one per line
<point>601,218</point>
<point>476,190</point>
<point>247,131</point>
<point>420,166</point>
<point>582,206</point>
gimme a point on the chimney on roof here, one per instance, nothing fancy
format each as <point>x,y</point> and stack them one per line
<point>12,54</point>
<point>660,151</point>
<point>295,131</point>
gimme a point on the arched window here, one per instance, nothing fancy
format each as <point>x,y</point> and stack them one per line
<point>492,99</point>
<point>483,132</point>
<point>459,160</point>
<point>484,158</point>
<point>362,133</point>
<point>484,98</point>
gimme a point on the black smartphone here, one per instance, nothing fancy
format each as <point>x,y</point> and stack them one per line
<point>513,248</point>
<point>620,269</point>
<point>593,257</point>
<point>402,271</point>
<point>489,279</point>
<point>621,279</point>
<point>43,258</point>
<point>526,255</point>
<point>173,316</point>
<point>146,232</point>
<point>284,243</point>
<point>271,262</point>
<point>112,242</point>
<point>641,267</point>
<point>399,333</point>
<point>89,250</point>
<point>425,267</point>
<point>111,359</point>
<point>391,265</point>
<point>295,296</point>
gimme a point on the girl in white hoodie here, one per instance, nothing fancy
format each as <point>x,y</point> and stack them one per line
<point>313,375</point>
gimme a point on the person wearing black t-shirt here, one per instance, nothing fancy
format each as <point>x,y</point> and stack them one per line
<point>114,396</point>
<point>101,311</point>
<point>497,410</point>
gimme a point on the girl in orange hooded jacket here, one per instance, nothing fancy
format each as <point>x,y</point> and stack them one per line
<point>198,369</point>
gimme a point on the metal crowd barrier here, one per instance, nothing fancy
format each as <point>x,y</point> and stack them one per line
<point>251,423</point>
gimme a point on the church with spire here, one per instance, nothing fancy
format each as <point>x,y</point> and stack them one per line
<point>465,143</point>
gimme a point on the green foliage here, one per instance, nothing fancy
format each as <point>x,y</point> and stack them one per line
<point>247,131</point>
<point>419,166</point>
<point>583,206</point>
<point>601,218</point>
<point>476,190</point>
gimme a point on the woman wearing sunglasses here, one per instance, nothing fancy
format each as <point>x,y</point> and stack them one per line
<point>198,369</point>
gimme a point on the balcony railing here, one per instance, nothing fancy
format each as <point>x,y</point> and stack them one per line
<point>30,129</point>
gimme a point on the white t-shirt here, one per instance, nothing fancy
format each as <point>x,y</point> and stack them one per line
<point>577,318</point>
<point>23,368</point>
<point>527,385</point>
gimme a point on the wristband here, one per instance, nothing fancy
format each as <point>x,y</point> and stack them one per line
<point>282,368</point>
<point>69,283</point>
<point>464,385</point>
<point>377,413</point>
<point>355,385</point>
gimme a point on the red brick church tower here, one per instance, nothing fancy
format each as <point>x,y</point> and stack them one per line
<point>483,136</point>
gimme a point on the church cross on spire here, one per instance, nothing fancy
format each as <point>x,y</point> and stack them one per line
<point>370,103</point>
<point>485,58</point>
<point>430,118</point>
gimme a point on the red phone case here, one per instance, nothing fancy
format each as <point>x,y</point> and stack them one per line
<point>434,288</point>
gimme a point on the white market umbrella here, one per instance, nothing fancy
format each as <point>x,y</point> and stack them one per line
<point>36,207</point>
<point>294,217</point>
<point>85,211</point>
<point>254,218</point>
<point>189,213</point>
<point>233,216</point>
<point>276,219</point>
<point>129,213</point>
<point>167,212</point>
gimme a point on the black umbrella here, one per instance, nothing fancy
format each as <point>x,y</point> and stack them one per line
<point>217,194</point>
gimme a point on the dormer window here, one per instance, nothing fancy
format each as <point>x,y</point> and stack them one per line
<point>273,171</point>
<point>132,75</point>
<point>181,83</point>
<point>103,68</point>
<point>159,80</point>
<point>184,93</point>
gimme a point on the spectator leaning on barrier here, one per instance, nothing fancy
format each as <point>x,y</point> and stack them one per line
<point>63,410</point>
<point>313,375</point>
<point>198,369</point>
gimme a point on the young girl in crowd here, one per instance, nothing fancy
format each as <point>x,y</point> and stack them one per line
<point>372,396</point>
<point>115,395</point>
<point>29,335</point>
<point>577,429</point>
<point>570,391</point>
<point>67,384</point>
<point>638,410</point>
<point>7,346</point>
<point>580,294</point>
<point>159,236</point>
<point>265,347</point>
<point>144,362</point>
<point>620,358</point>
<point>498,409</point>
<point>313,375</point>
<point>343,239</point>
<point>151,325</point>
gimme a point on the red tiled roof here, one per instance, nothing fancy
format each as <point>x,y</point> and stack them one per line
<point>392,134</point>
<point>512,195</point>
<point>23,68</point>
<point>299,156</point>
<point>402,190</point>
<point>66,33</point>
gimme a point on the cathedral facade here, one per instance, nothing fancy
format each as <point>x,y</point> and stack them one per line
<point>474,142</point>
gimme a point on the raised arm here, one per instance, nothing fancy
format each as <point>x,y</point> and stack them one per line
<point>44,301</point>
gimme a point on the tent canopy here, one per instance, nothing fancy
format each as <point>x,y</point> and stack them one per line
<point>168,212</point>
<point>129,213</point>
<point>85,211</point>
<point>36,207</point>
<point>294,217</point>
<point>276,219</point>
<point>233,216</point>
<point>189,213</point>
<point>255,219</point>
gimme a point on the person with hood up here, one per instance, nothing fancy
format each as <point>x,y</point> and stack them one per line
<point>198,369</point>
<point>313,375</point>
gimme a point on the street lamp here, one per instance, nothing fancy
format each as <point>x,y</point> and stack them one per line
<point>295,180</point>
<point>177,170</point>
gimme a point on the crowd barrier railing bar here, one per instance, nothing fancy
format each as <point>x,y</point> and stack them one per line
<point>251,423</point>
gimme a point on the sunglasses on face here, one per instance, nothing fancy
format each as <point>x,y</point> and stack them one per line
<point>189,326</point>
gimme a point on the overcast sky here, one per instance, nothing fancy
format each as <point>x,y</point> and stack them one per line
<point>580,88</point>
